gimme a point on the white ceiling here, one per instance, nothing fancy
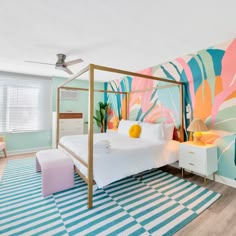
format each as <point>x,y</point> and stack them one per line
<point>125,34</point>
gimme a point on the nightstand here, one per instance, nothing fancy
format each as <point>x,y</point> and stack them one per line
<point>198,159</point>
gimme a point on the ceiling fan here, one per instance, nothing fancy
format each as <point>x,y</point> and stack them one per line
<point>61,64</point>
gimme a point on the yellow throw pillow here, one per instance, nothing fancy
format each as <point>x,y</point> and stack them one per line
<point>134,131</point>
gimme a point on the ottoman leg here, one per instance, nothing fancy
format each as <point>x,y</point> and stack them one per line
<point>38,167</point>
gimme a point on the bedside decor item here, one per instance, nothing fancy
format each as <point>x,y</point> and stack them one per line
<point>101,116</point>
<point>134,131</point>
<point>197,126</point>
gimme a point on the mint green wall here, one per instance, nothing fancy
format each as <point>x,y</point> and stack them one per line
<point>27,141</point>
<point>79,105</point>
<point>23,142</point>
<point>20,142</point>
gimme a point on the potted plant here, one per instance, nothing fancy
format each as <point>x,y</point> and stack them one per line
<point>101,115</point>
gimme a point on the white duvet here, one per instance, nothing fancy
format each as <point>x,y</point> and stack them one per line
<point>126,156</point>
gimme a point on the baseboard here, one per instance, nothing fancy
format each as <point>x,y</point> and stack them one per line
<point>25,151</point>
<point>218,178</point>
<point>225,180</point>
<point>222,180</point>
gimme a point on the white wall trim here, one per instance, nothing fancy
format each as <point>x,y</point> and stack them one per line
<point>218,178</point>
<point>24,151</point>
<point>225,180</point>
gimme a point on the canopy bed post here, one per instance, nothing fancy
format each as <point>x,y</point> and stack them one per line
<point>181,113</point>
<point>90,136</point>
<point>58,97</point>
<point>58,111</point>
<point>126,106</point>
<point>127,100</point>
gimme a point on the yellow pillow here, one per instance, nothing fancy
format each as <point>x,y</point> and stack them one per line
<point>134,131</point>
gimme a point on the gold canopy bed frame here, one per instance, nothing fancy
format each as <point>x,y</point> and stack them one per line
<point>91,69</point>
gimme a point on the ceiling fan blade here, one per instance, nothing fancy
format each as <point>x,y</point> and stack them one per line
<point>70,63</point>
<point>43,63</point>
<point>67,70</point>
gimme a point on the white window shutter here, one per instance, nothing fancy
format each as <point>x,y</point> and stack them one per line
<point>25,104</point>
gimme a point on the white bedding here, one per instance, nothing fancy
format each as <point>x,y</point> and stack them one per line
<point>126,156</point>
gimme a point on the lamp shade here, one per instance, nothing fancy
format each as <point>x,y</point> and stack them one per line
<point>197,125</point>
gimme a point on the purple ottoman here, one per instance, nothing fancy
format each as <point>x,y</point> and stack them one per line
<point>57,171</point>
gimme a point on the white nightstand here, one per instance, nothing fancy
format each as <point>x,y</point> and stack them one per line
<point>198,159</point>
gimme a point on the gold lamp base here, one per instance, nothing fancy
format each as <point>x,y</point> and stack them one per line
<point>197,139</point>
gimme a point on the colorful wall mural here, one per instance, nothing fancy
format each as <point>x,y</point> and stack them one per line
<point>146,104</point>
<point>210,94</point>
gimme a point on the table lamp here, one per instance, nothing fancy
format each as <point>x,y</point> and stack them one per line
<point>197,126</point>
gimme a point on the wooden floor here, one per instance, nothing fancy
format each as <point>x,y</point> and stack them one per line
<point>3,160</point>
<point>219,219</point>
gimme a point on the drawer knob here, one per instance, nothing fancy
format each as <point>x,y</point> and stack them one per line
<point>191,164</point>
<point>191,152</point>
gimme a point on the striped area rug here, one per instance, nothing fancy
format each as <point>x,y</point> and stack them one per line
<point>158,204</point>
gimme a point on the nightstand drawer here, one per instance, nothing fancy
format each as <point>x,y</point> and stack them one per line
<point>191,150</point>
<point>191,161</point>
<point>199,159</point>
<point>192,156</point>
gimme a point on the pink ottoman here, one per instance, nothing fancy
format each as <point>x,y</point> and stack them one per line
<point>57,171</point>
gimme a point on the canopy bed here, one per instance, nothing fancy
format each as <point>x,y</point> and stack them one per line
<point>87,158</point>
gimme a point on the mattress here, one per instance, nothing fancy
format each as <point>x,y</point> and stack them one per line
<point>126,156</point>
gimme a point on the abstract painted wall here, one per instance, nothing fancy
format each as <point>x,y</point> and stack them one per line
<point>210,94</point>
<point>146,104</point>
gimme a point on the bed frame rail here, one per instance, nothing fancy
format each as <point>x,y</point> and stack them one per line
<point>91,69</point>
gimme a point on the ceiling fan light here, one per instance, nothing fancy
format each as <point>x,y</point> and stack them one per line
<point>61,56</point>
<point>59,67</point>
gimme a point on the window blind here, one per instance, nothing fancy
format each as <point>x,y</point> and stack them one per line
<point>25,104</point>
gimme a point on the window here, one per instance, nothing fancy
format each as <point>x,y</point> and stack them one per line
<point>25,104</point>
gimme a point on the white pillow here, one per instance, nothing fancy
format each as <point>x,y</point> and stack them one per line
<point>125,125</point>
<point>153,132</point>
<point>168,131</point>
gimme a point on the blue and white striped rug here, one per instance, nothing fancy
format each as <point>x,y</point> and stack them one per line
<point>159,204</point>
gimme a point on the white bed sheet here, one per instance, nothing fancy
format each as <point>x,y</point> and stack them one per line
<point>127,156</point>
